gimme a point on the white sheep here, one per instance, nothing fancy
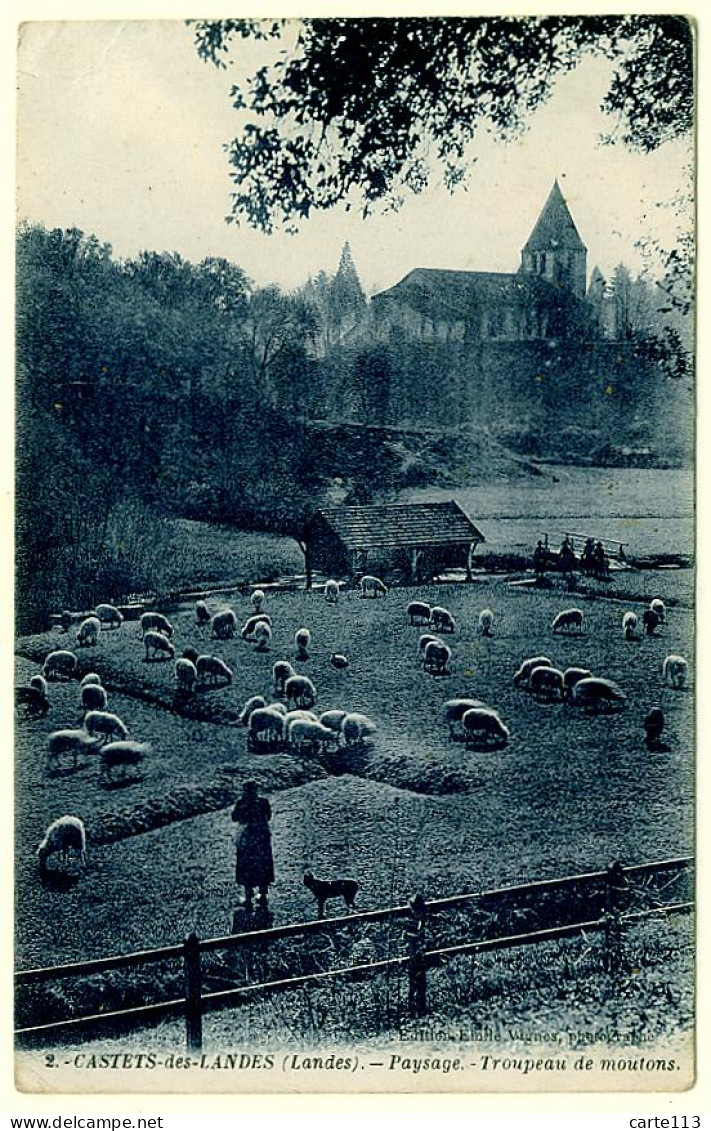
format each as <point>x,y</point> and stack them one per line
<point>158,644</point>
<point>569,618</point>
<point>186,675</point>
<point>442,619</point>
<point>89,678</point>
<point>156,622</point>
<point>92,697</point>
<point>31,702</point>
<point>302,639</point>
<point>257,600</point>
<point>211,669</point>
<point>419,612</point>
<point>597,693</point>
<point>40,684</point>
<point>372,586</point>
<point>571,676</point>
<point>223,625</point>
<point>123,754</point>
<point>247,630</point>
<point>281,671</point>
<point>109,615</point>
<point>105,724</point>
<point>61,664</point>
<point>251,705</point>
<point>304,733</point>
<point>630,621</point>
<point>263,636</point>
<point>657,606</point>
<point>74,742</point>
<point>88,633</point>
<point>674,671</point>
<point>332,719</point>
<point>266,727</point>
<point>356,727</point>
<point>202,614</point>
<point>437,657</point>
<point>455,710</point>
<point>63,835</point>
<point>425,639</point>
<point>523,674</point>
<point>546,683</point>
<point>301,690</point>
<point>332,591</point>
<point>483,727</point>
<point>277,706</point>
<point>486,622</point>
<point>300,713</point>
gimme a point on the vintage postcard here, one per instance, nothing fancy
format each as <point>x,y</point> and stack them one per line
<point>355,555</point>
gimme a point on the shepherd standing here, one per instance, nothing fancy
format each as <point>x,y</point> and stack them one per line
<point>254,867</point>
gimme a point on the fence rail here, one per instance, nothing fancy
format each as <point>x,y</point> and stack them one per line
<point>615,883</point>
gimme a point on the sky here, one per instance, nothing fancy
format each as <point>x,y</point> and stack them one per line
<point>121,131</point>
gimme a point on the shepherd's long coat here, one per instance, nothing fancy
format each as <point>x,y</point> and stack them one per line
<point>254,865</point>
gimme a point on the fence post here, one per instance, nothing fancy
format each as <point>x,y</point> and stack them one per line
<point>193,993</point>
<point>615,887</point>
<point>417,965</point>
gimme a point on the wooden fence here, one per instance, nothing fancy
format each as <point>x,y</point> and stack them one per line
<point>620,896</point>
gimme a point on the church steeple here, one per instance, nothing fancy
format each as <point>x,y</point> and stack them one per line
<point>554,249</point>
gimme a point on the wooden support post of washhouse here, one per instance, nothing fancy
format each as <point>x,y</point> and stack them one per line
<point>409,541</point>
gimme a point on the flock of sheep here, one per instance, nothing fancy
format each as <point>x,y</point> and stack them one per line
<point>285,717</point>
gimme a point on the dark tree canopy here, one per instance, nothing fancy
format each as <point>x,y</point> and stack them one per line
<point>360,108</point>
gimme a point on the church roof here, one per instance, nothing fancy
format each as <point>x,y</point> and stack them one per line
<point>555,226</point>
<point>431,290</point>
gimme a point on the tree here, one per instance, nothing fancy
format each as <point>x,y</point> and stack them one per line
<point>360,107</point>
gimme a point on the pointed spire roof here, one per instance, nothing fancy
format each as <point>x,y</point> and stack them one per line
<point>555,226</point>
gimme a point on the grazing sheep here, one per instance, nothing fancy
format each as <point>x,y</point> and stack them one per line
<point>251,705</point>
<point>419,612</point>
<point>263,636</point>
<point>332,591</point>
<point>186,675</point>
<point>569,618</point>
<point>355,728</point>
<point>422,643</point>
<point>486,622</point>
<point>372,586</point>
<point>483,727</point>
<point>223,625</point>
<point>72,742</point>
<point>571,676</point>
<point>301,690</point>
<point>266,727</point>
<point>92,697</point>
<point>121,754</point>
<point>156,622</point>
<point>339,662</point>
<point>546,683</point>
<point>211,669</point>
<point>40,684</point>
<point>437,657</point>
<point>442,619</point>
<point>598,694</point>
<point>88,633</point>
<point>32,702</point>
<point>105,725</point>
<point>302,639</point>
<point>523,674</point>
<point>277,706</point>
<point>63,835</point>
<point>299,714</point>
<point>202,614</point>
<point>247,631</point>
<point>455,709</point>
<point>674,670</point>
<point>630,622</point>
<point>257,600</point>
<point>651,621</point>
<point>281,671</point>
<point>191,654</point>
<point>89,678</point>
<point>657,606</point>
<point>159,645</point>
<point>324,890</point>
<point>332,719</point>
<point>304,733</point>
<point>109,616</point>
<point>59,665</point>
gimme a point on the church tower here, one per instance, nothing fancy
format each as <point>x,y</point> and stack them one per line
<point>554,250</point>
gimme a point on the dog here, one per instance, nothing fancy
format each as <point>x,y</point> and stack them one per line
<point>324,890</point>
